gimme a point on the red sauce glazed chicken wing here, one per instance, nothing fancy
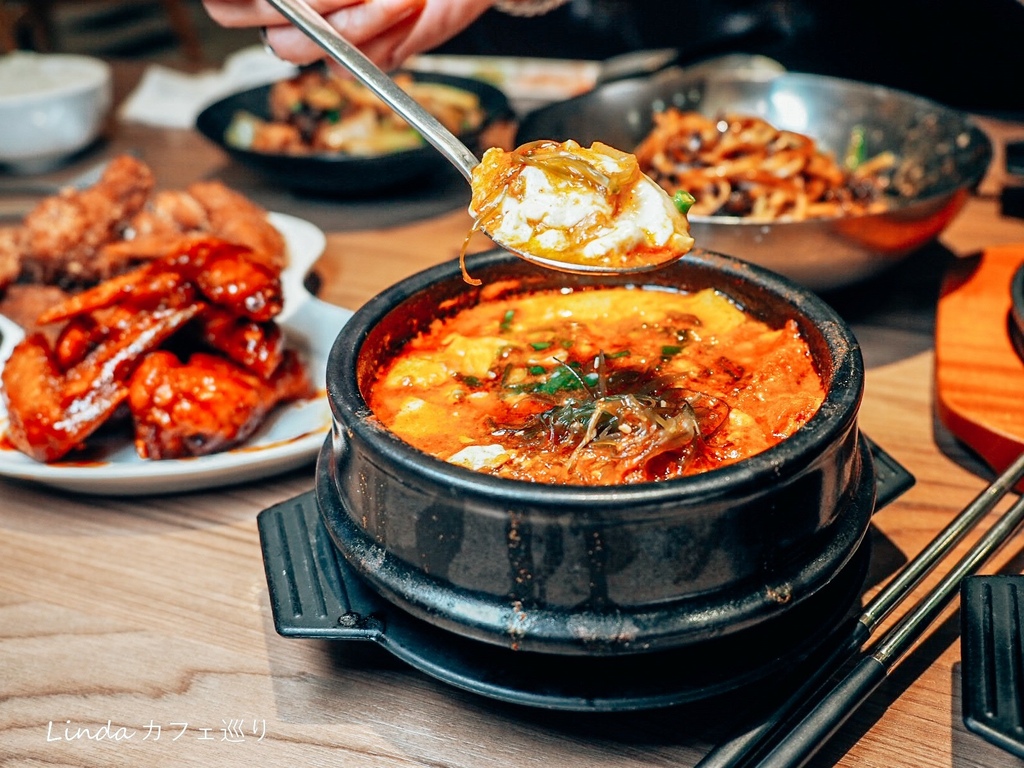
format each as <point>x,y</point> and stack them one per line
<point>186,342</point>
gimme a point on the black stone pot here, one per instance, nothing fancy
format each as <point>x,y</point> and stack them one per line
<point>606,570</point>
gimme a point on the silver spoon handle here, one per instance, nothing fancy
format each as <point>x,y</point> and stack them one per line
<point>299,13</point>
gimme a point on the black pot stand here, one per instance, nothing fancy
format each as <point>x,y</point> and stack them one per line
<point>315,593</point>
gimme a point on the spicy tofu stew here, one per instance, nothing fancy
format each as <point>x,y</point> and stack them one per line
<point>598,386</point>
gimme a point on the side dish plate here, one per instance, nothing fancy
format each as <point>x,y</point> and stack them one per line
<point>341,174</point>
<point>290,439</point>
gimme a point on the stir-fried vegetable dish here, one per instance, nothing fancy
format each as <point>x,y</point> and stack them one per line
<point>598,386</point>
<point>319,112</point>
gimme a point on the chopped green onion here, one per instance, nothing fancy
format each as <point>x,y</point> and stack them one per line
<point>671,349</point>
<point>506,321</point>
<point>539,345</point>
<point>856,150</point>
<point>563,378</point>
<point>537,370</point>
<point>683,200</point>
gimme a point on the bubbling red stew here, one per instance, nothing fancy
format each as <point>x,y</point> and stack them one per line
<point>599,386</point>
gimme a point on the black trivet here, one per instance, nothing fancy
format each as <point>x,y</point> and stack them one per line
<point>314,593</point>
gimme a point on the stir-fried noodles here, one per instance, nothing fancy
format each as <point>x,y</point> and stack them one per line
<point>739,165</point>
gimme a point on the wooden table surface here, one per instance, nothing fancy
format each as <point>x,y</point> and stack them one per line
<point>138,631</point>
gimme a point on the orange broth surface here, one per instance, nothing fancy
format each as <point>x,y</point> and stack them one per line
<point>599,387</point>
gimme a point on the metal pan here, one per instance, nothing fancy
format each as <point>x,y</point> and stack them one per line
<point>950,149</point>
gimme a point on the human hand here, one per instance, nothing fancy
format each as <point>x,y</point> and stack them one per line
<point>387,31</point>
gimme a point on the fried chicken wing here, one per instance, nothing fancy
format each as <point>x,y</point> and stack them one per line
<point>51,411</point>
<point>169,216</point>
<point>81,335</point>
<point>24,302</point>
<point>147,287</point>
<point>13,247</point>
<point>257,346</point>
<point>237,219</point>
<point>41,425</point>
<point>226,274</point>
<point>206,405</point>
<point>77,238</point>
<point>170,212</point>
<point>65,232</point>
<point>232,276</point>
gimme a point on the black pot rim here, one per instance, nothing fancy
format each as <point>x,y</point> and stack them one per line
<point>835,417</point>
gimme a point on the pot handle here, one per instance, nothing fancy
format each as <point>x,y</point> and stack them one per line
<point>312,593</point>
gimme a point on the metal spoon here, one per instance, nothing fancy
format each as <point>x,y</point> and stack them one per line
<point>303,17</point>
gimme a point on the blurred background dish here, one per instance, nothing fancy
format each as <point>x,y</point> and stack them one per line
<point>947,152</point>
<point>51,106</point>
<point>340,173</point>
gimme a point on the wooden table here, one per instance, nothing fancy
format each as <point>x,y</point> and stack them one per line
<point>146,621</point>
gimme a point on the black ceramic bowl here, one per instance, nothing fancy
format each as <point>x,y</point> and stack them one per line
<point>594,570</point>
<point>337,173</point>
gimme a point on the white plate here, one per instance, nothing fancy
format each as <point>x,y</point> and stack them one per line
<point>291,438</point>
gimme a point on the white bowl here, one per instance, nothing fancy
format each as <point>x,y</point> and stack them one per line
<point>51,105</point>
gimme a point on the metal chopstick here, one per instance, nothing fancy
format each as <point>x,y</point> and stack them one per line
<point>743,750</point>
<point>835,707</point>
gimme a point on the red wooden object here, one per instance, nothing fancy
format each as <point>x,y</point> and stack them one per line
<point>979,377</point>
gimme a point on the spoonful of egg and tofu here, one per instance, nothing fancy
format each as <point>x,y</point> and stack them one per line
<point>578,208</point>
